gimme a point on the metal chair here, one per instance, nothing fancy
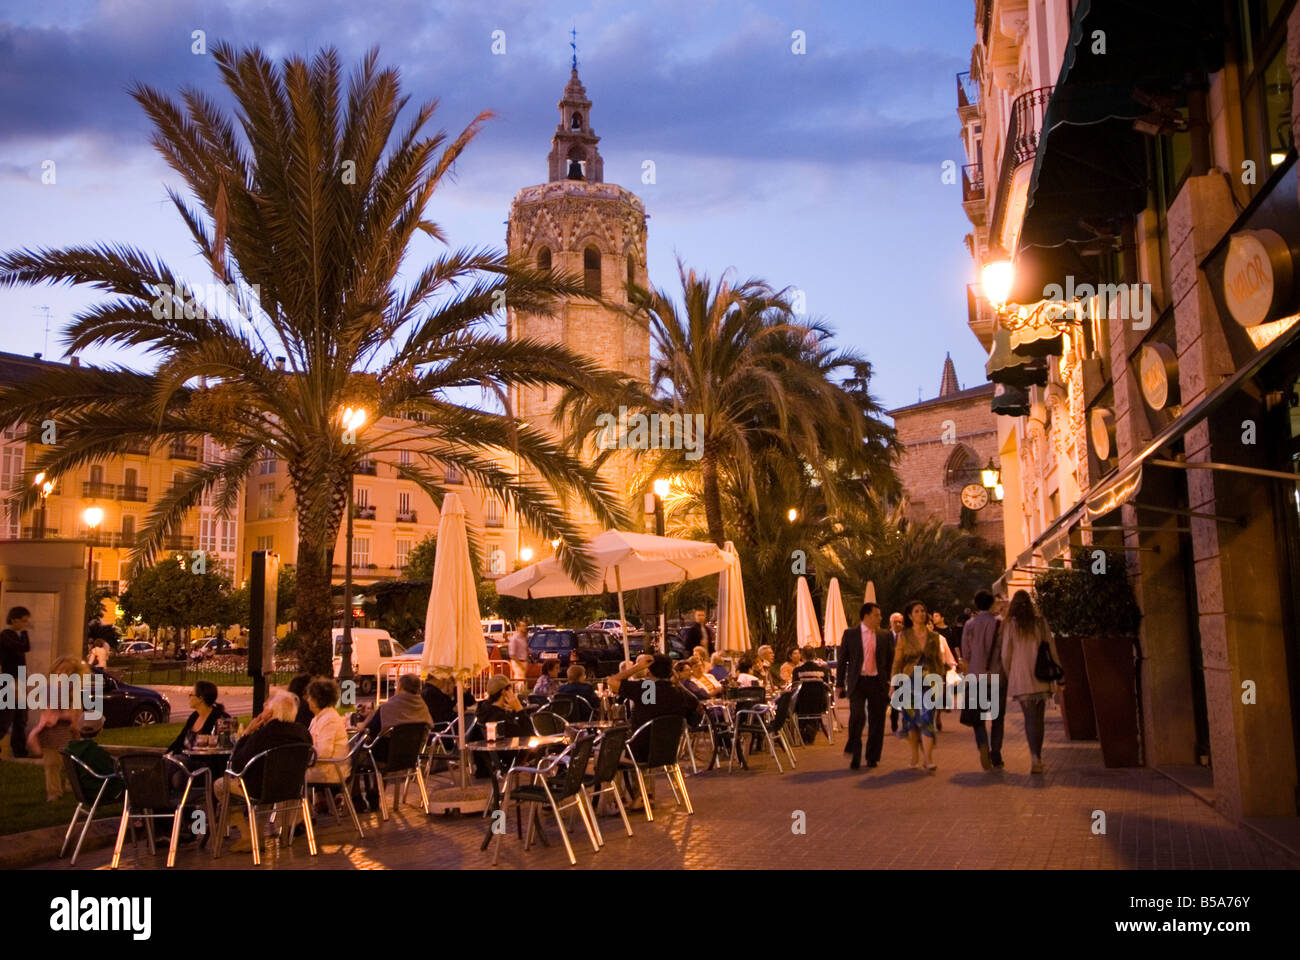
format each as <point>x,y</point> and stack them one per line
<point>571,707</point>
<point>108,789</point>
<point>150,796</point>
<point>660,740</point>
<point>342,782</point>
<point>812,703</point>
<point>766,724</point>
<point>557,793</point>
<point>401,762</point>
<point>604,776</point>
<point>283,787</point>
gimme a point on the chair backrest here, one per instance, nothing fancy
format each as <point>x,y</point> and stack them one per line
<point>580,708</point>
<point>406,742</point>
<point>563,706</point>
<point>812,698</point>
<point>663,737</point>
<point>611,744</point>
<point>284,770</point>
<point>547,724</point>
<point>782,712</point>
<point>754,694</point>
<point>147,777</point>
<point>76,769</point>
<point>579,756</point>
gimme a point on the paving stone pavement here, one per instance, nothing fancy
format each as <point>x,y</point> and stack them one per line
<point>890,817</point>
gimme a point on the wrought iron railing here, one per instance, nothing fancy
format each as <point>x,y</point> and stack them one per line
<point>972,182</point>
<point>1021,146</point>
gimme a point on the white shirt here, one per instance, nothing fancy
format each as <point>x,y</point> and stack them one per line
<point>329,735</point>
<point>98,657</point>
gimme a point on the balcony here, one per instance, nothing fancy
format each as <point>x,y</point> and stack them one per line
<point>97,490</point>
<point>364,512</point>
<point>112,586</point>
<point>135,494</point>
<point>406,516</point>
<point>178,543</point>
<point>140,448</point>
<point>1017,165</point>
<point>183,451</point>
<point>979,316</point>
<point>494,521</point>
<point>366,467</point>
<point>968,96</point>
<point>49,533</point>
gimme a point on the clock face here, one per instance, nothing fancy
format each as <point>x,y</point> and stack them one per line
<point>974,497</point>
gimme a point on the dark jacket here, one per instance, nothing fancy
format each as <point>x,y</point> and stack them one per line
<point>697,635</point>
<point>13,650</point>
<point>181,743</point>
<point>669,700</point>
<point>584,690</point>
<point>850,668</point>
<point>274,733</point>
<point>441,706</point>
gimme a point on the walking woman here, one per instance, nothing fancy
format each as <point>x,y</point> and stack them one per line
<point>1023,630</point>
<point>918,645</point>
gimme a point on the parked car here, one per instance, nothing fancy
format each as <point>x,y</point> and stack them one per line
<point>136,648</point>
<point>601,652</point>
<point>371,648</point>
<point>128,706</point>
<point>212,646</point>
<point>615,627</point>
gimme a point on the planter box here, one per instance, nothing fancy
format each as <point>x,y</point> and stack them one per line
<point>1112,675</point>
<point>1076,695</point>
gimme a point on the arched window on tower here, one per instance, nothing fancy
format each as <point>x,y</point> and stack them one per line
<point>591,271</point>
<point>544,259</point>
<point>576,122</point>
<point>577,165</point>
<point>961,468</point>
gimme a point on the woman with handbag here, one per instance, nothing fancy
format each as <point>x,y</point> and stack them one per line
<point>918,646</point>
<point>1029,659</point>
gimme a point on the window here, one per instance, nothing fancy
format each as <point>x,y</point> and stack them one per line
<point>229,536</point>
<point>15,431</point>
<point>1265,85</point>
<point>492,512</point>
<point>404,457</point>
<point>591,271</point>
<point>11,471</point>
<point>266,499</point>
<point>961,468</point>
<point>360,551</point>
<point>363,496</point>
<point>577,164</point>
<point>266,543</point>
<point>544,259</point>
<point>129,477</point>
<point>208,534</point>
<point>266,464</point>
<point>495,562</point>
<point>403,503</point>
<point>402,552</point>
<point>96,474</point>
<point>128,529</point>
<point>452,474</point>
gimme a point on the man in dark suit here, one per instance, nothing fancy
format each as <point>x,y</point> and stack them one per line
<point>896,631</point>
<point>866,657</point>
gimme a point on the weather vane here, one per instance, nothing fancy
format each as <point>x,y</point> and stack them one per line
<point>574,44</point>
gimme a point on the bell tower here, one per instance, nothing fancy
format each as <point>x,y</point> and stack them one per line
<point>577,224</point>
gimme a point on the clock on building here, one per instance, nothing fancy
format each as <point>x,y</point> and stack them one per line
<point>974,496</point>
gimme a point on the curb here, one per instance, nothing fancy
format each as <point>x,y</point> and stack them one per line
<point>26,849</point>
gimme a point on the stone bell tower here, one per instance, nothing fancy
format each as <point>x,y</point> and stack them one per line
<point>577,224</point>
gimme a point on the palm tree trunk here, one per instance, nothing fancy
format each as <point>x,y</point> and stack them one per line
<point>320,503</point>
<point>712,495</point>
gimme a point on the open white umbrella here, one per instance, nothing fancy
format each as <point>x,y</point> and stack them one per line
<point>806,633</point>
<point>453,632</point>
<point>835,622</point>
<point>733,623</point>
<point>624,561</point>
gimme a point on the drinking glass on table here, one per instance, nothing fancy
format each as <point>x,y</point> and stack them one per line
<point>491,730</point>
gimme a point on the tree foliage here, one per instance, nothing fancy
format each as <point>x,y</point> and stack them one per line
<point>168,594</point>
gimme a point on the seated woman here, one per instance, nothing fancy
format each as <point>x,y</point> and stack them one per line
<point>719,669</point>
<point>274,727</point>
<point>685,675</point>
<point>704,678</point>
<point>58,724</point>
<point>203,718</point>
<point>744,678</point>
<point>329,734</point>
<point>549,682</point>
<point>791,665</point>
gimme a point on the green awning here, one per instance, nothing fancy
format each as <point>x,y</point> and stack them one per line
<point>1006,366</point>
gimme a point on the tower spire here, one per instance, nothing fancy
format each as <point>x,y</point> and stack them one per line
<point>948,381</point>
<point>573,147</point>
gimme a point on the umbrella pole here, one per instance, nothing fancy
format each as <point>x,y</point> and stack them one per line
<point>460,730</point>
<point>622,616</point>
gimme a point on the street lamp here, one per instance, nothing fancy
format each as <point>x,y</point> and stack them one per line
<point>47,487</point>
<point>997,276</point>
<point>655,502</point>
<point>92,517</point>
<point>990,476</point>
<point>792,514</point>
<point>351,421</point>
<point>526,554</point>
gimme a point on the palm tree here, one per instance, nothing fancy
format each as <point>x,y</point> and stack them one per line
<point>735,357</point>
<point>303,204</point>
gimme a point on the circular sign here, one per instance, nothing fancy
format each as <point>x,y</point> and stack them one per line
<point>1102,428</point>
<point>1158,375</point>
<point>974,497</point>
<point>1256,275</point>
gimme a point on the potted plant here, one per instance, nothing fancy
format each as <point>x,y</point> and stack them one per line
<point>1095,619</point>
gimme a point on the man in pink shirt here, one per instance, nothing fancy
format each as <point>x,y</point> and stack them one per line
<point>866,657</point>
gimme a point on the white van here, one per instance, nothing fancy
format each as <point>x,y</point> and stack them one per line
<point>495,631</point>
<point>371,649</point>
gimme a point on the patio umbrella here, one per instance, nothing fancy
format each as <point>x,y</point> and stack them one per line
<point>835,622</point>
<point>870,595</point>
<point>624,561</point>
<point>806,633</point>
<point>733,624</point>
<point>453,633</point>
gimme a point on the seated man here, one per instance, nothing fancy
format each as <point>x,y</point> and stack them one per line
<point>812,667</point>
<point>667,699</point>
<point>439,695</point>
<point>577,686</point>
<point>744,674</point>
<point>274,727</point>
<point>96,758</point>
<point>685,674</point>
<point>405,706</point>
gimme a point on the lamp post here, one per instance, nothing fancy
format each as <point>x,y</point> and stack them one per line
<point>662,487</point>
<point>996,277</point>
<point>352,421</point>
<point>92,517</point>
<point>47,486</point>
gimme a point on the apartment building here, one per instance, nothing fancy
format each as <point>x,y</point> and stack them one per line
<point>1132,190</point>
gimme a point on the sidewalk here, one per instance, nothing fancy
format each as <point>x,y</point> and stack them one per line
<point>887,818</point>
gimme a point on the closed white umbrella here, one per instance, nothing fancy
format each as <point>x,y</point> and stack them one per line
<point>870,595</point>
<point>453,632</point>
<point>806,633</point>
<point>623,561</point>
<point>835,622</point>
<point>733,623</point>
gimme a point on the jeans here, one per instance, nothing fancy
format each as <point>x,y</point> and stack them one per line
<point>981,728</point>
<point>1034,707</point>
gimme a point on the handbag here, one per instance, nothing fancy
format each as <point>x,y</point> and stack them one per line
<point>1046,669</point>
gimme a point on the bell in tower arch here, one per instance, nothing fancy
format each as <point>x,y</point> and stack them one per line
<point>576,166</point>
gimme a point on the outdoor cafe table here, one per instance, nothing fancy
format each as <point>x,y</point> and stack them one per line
<point>510,745</point>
